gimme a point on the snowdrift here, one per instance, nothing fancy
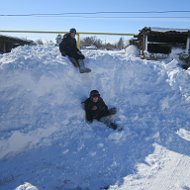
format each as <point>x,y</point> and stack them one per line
<point>45,141</point>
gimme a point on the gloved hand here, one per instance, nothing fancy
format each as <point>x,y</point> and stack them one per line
<point>80,55</point>
<point>63,53</point>
<point>113,110</point>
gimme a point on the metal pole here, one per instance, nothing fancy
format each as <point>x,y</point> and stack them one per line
<point>62,32</point>
<point>78,40</point>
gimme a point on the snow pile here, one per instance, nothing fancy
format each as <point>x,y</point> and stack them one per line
<point>132,51</point>
<point>26,186</point>
<point>45,140</point>
<point>159,29</point>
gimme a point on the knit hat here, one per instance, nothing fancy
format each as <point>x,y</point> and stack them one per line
<point>94,93</point>
<point>73,30</point>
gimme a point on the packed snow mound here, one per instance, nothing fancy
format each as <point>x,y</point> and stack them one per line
<point>46,141</point>
<point>132,50</point>
<point>26,186</point>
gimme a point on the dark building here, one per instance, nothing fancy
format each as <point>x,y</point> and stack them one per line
<point>7,43</point>
<point>158,42</point>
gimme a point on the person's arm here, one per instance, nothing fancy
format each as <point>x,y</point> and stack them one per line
<point>104,107</point>
<point>64,45</point>
<point>88,111</point>
<point>61,48</point>
<point>78,50</point>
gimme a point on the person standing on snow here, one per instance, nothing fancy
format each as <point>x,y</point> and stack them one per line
<point>95,108</point>
<point>68,47</point>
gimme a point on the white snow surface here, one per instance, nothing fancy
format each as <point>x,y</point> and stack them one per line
<point>159,29</point>
<point>45,142</point>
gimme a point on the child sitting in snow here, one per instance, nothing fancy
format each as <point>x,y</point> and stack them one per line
<point>68,47</point>
<point>95,108</point>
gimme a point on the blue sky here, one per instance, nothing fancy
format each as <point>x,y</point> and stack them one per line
<point>85,23</point>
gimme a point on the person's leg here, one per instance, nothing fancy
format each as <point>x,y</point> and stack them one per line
<point>108,122</point>
<point>78,61</point>
<point>109,112</point>
<point>82,67</point>
<point>74,61</point>
<point>112,111</point>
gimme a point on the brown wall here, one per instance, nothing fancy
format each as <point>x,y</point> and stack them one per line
<point>7,43</point>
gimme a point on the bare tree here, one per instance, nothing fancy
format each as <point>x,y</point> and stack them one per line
<point>109,46</point>
<point>88,41</point>
<point>120,44</point>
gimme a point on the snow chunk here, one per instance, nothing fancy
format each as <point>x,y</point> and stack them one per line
<point>159,29</point>
<point>132,51</point>
<point>117,137</point>
<point>183,133</point>
<point>26,186</point>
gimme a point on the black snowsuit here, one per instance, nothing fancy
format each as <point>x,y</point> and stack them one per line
<point>100,111</point>
<point>68,46</point>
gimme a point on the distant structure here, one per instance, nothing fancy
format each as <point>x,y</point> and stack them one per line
<point>7,43</point>
<point>157,43</point>
<point>92,47</point>
<point>58,39</point>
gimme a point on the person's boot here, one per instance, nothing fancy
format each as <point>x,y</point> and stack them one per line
<point>113,126</point>
<point>112,111</point>
<point>82,67</point>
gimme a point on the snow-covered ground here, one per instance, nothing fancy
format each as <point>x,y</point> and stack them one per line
<point>45,142</point>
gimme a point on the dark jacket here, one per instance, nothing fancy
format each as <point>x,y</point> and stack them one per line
<point>68,46</point>
<point>101,111</point>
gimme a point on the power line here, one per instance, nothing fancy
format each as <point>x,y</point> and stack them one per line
<point>121,17</point>
<point>95,13</point>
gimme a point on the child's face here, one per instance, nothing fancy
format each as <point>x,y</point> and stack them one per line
<point>73,35</point>
<point>95,99</point>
